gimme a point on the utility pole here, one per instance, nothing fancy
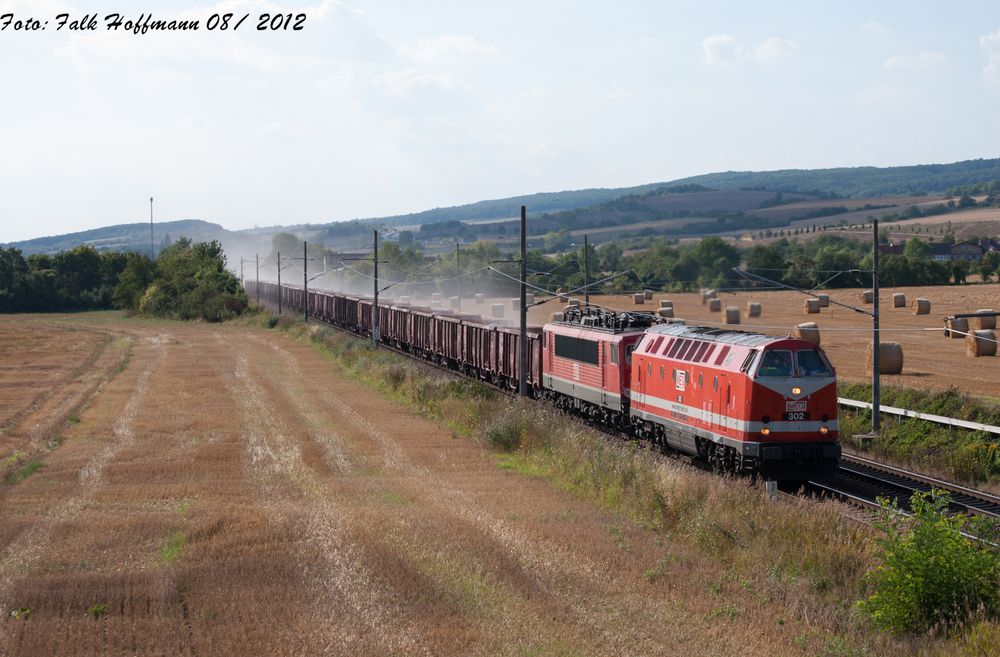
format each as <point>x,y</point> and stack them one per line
<point>256,258</point>
<point>375,328</point>
<point>305,283</point>
<point>458,275</point>
<point>279,283</point>
<point>876,392</point>
<point>522,370</point>
<point>242,282</point>
<point>586,274</point>
<point>151,256</point>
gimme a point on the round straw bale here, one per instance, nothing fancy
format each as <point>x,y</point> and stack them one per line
<point>714,305</point>
<point>956,328</point>
<point>732,315</point>
<point>867,296</point>
<point>812,306</point>
<point>649,294</point>
<point>753,309</point>
<point>986,322</point>
<point>557,317</point>
<point>665,303</point>
<point>981,343</point>
<point>824,300</point>
<point>573,302</point>
<point>638,298</point>
<point>497,310</point>
<point>890,358</point>
<point>666,312</point>
<point>808,331</point>
<point>921,306</point>
<point>899,300</point>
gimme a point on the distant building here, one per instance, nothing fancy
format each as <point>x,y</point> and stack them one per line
<point>989,245</point>
<point>891,249</point>
<point>940,252</point>
<point>966,251</point>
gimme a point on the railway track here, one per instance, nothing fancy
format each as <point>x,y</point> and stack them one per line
<point>861,481</point>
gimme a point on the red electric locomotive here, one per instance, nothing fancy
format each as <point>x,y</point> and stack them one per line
<point>587,362</point>
<point>744,402</point>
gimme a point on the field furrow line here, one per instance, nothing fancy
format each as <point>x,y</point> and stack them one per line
<point>24,552</point>
<point>345,577</point>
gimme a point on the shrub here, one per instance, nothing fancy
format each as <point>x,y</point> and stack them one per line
<point>932,576</point>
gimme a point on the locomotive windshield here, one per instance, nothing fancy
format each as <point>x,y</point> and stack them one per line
<point>779,362</point>
<point>809,363</point>
<point>775,363</point>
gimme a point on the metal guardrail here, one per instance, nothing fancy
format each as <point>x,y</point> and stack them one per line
<point>938,419</point>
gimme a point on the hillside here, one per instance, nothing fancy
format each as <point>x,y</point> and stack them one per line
<point>857,181</point>
<point>720,196</point>
<point>125,237</point>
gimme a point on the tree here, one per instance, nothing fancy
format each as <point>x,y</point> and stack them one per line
<point>917,249</point>
<point>767,260</point>
<point>556,240</point>
<point>989,264</point>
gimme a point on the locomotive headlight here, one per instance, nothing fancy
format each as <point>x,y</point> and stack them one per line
<point>765,431</point>
<point>796,390</point>
<point>824,430</point>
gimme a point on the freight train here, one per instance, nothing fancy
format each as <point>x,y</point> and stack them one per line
<point>742,402</point>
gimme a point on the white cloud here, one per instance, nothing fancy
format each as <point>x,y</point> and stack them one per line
<point>400,83</point>
<point>721,49</point>
<point>773,49</point>
<point>447,48</point>
<point>874,27</point>
<point>991,44</point>
<point>923,61</point>
<point>724,49</point>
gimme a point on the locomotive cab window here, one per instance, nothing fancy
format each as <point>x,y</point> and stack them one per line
<point>809,362</point>
<point>628,353</point>
<point>776,362</point>
<point>614,354</point>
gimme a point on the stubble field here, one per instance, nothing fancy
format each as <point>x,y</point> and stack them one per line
<point>222,490</point>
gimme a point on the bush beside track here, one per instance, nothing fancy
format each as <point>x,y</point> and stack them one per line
<point>803,553</point>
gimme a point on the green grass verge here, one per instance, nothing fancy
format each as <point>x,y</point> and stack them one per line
<point>959,454</point>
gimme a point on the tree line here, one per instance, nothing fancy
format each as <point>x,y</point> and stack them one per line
<point>186,281</point>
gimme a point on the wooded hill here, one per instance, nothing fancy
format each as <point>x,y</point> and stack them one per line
<point>715,195</point>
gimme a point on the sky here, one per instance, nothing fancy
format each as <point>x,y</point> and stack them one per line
<point>378,107</point>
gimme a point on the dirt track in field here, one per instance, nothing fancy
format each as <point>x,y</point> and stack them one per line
<point>228,493</point>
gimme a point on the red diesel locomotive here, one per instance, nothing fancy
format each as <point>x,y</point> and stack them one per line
<point>744,402</point>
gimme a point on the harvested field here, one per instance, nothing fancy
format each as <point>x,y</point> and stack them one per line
<point>224,491</point>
